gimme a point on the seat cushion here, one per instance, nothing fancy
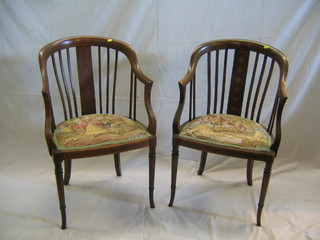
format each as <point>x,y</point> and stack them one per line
<point>95,130</point>
<point>228,130</point>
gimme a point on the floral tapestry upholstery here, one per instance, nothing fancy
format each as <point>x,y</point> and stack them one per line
<point>95,130</point>
<point>228,130</point>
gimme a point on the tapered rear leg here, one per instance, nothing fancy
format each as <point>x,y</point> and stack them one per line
<point>60,189</point>
<point>152,163</point>
<point>264,188</point>
<point>67,171</point>
<point>202,162</point>
<point>117,164</point>
<point>174,168</point>
<point>249,171</point>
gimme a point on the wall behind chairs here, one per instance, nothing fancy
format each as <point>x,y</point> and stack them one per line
<point>164,34</point>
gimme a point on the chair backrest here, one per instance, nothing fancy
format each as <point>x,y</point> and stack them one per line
<point>235,77</point>
<point>93,75</point>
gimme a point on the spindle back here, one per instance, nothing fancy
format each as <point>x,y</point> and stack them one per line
<point>235,77</point>
<point>93,75</point>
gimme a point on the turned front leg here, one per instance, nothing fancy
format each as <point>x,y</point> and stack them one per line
<point>60,189</point>
<point>152,163</point>
<point>174,168</point>
<point>263,192</point>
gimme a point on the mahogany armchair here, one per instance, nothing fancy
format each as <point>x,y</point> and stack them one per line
<point>236,94</point>
<point>94,92</point>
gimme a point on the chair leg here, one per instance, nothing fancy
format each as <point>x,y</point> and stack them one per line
<point>249,171</point>
<point>60,188</point>
<point>264,188</point>
<point>117,164</point>
<point>67,171</point>
<point>202,162</point>
<point>174,168</point>
<point>152,163</point>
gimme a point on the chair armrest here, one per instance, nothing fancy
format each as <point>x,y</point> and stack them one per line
<point>283,96</point>
<point>182,88</point>
<point>152,125</point>
<point>49,122</point>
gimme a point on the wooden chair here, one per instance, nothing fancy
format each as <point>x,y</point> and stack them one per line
<point>94,88</point>
<point>238,87</point>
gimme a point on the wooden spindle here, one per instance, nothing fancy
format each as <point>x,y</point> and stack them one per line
<point>59,86</point>
<point>190,98</point>
<point>131,94</point>
<point>258,87</point>
<point>114,82</point>
<point>71,83</point>
<point>273,114</point>
<point>108,80</point>
<point>253,76</point>
<point>224,79</point>
<point>216,82</point>
<point>100,79</point>
<point>64,80</point>
<point>194,97</point>
<point>266,86</point>
<point>209,82</point>
<point>135,99</point>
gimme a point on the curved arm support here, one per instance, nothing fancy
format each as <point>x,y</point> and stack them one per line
<point>49,122</point>
<point>147,90</point>
<point>49,117</point>
<point>152,126</point>
<point>282,100</point>
<point>182,87</point>
<point>177,117</point>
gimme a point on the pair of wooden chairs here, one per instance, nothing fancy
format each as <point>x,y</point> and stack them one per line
<point>229,88</point>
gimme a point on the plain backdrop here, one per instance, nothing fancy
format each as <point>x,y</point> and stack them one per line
<point>164,33</point>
